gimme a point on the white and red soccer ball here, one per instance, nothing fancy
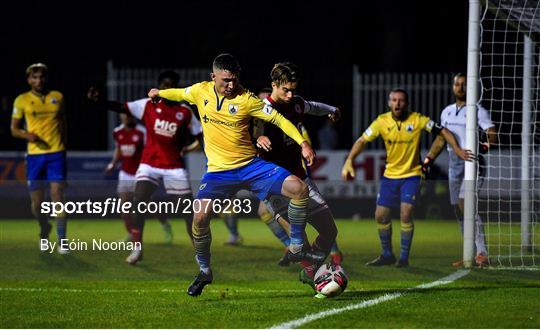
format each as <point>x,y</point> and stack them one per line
<point>330,280</point>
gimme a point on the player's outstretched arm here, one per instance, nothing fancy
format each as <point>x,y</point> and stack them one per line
<point>322,109</point>
<point>94,95</point>
<point>438,145</point>
<point>172,94</point>
<point>464,154</point>
<point>348,171</point>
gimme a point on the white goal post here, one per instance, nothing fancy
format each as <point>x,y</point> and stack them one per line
<point>503,74</point>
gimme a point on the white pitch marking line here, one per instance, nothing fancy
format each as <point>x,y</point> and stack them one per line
<point>141,291</point>
<point>367,303</point>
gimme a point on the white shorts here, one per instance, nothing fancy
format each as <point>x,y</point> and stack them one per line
<point>280,204</point>
<point>175,180</point>
<point>126,182</point>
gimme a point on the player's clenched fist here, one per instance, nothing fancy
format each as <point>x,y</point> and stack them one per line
<point>153,93</point>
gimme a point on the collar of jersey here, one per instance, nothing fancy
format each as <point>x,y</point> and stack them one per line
<point>219,103</point>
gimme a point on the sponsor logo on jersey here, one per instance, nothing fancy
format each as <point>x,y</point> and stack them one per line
<point>202,186</point>
<point>127,150</point>
<point>207,120</point>
<point>205,102</point>
<point>233,109</point>
<point>165,128</point>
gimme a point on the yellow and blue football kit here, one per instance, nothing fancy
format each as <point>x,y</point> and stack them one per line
<point>232,161</point>
<point>44,117</point>
<point>402,175</point>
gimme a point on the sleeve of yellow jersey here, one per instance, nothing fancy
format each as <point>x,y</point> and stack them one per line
<point>372,132</point>
<point>261,110</point>
<point>18,109</point>
<point>305,133</point>
<point>188,94</point>
<point>426,123</point>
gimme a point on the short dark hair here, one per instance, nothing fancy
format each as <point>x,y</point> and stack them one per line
<point>169,74</point>
<point>284,72</point>
<point>459,75</point>
<point>399,90</point>
<point>226,62</point>
<point>33,68</point>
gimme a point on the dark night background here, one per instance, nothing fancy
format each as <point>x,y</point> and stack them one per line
<point>325,40</point>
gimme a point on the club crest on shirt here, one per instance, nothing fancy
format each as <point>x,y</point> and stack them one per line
<point>233,109</point>
<point>409,128</point>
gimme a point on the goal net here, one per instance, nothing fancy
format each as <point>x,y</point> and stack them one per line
<point>509,74</point>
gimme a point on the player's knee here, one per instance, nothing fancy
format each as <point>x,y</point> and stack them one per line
<point>406,217</point>
<point>381,217</point>
<point>264,214</point>
<point>201,219</point>
<point>382,220</point>
<point>298,189</point>
<point>57,193</point>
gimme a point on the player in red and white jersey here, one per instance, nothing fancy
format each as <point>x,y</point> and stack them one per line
<point>278,148</point>
<point>169,126</point>
<point>129,142</point>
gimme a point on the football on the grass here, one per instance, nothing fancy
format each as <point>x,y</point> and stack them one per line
<point>330,280</point>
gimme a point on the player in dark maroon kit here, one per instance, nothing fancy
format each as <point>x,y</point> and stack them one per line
<point>168,128</point>
<point>278,148</point>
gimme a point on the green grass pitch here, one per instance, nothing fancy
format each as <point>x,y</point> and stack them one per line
<point>97,289</point>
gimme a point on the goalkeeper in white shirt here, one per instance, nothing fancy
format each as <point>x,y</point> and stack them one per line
<point>453,118</point>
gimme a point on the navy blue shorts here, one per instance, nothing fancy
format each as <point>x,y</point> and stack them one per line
<point>44,168</point>
<point>395,191</point>
<point>258,176</point>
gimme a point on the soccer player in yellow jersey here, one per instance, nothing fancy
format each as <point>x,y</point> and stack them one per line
<point>225,109</point>
<point>401,131</point>
<point>44,117</point>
